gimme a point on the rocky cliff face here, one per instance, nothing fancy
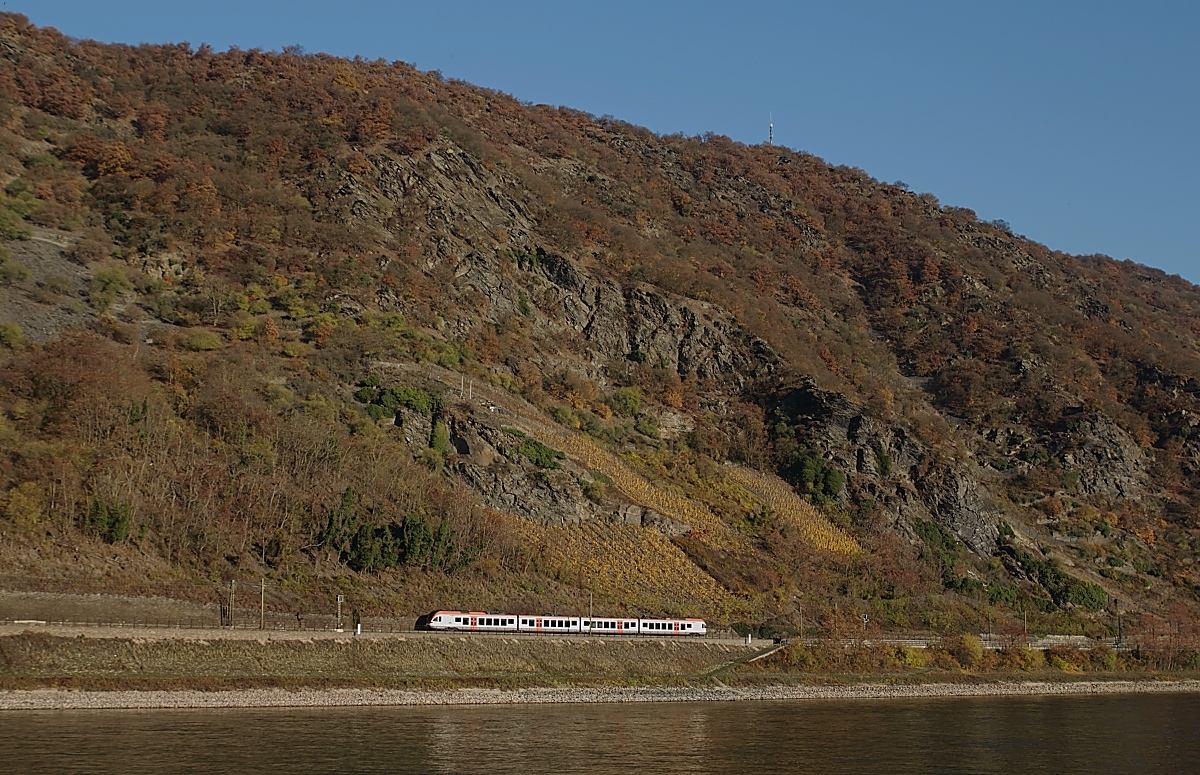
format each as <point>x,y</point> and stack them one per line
<point>891,467</point>
<point>482,228</point>
<point>1104,457</point>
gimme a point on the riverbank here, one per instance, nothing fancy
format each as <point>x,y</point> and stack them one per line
<point>57,699</point>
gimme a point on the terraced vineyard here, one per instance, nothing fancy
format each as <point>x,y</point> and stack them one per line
<point>583,451</point>
<point>713,531</point>
<point>630,563</point>
<point>783,500</point>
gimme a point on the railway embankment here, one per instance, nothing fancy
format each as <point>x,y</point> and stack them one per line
<point>79,658</point>
<point>78,667</point>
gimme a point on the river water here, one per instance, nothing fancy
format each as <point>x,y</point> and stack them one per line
<point>1024,735</point>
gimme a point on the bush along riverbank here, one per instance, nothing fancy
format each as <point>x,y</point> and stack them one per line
<point>954,658</point>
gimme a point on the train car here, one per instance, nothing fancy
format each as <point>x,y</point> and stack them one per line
<point>469,621</point>
<point>484,621</point>
<point>549,623</point>
<point>672,627</point>
<point>603,626</point>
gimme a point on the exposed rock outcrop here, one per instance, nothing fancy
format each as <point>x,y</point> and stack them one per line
<point>1106,458</point>
<point>890,466</point>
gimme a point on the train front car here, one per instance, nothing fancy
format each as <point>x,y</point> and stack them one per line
<point>438,620</point>
<point>672,627</point>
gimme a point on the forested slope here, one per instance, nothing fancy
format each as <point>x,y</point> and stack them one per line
<point>346,324</point>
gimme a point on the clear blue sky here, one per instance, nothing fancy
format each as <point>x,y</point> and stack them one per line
<point>1076,122</point>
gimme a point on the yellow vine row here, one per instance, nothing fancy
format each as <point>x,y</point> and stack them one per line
<point>706,526</point>
<point>711,530</point>
<point>633,564</point>
<point>815,529</point>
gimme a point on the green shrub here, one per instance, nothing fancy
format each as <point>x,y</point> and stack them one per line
<point>414,541</point>
<point>110,522</point>
<point>883,462</point>
<point>969,651</point>
<point>414,398</point>
<point>439,438</point>
<point>647,426</point>
<point>10,335</point>
<point>564,416</point>
<point>588,422</point>
<point>626,401</point>
<point>199,340</point>
<point>814,475</point>
<point>10,271</point>
<point>595,490</point>
<point>1003,594</point>
<point>908,656</point>
<point>104,287</point>
<point>13,212</point>
<point>942,545</point>
<point>1031,659</point>
<point>1063,588</point>
<point>539,454</point>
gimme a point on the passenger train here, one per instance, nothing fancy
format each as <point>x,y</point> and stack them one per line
<point>481,621</point>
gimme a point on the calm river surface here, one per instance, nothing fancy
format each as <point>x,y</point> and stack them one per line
<point>1109,734</point>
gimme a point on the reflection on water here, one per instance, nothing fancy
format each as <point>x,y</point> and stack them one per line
<point>1110,734</point>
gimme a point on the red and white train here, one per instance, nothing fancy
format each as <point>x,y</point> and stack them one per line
<point>481,621</point>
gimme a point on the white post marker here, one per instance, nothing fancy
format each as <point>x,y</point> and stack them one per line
<point>358,629</point>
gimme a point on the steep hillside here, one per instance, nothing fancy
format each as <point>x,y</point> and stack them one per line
<point>347,325</point>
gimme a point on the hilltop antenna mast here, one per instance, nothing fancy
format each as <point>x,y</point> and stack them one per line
<point>770,129</point>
